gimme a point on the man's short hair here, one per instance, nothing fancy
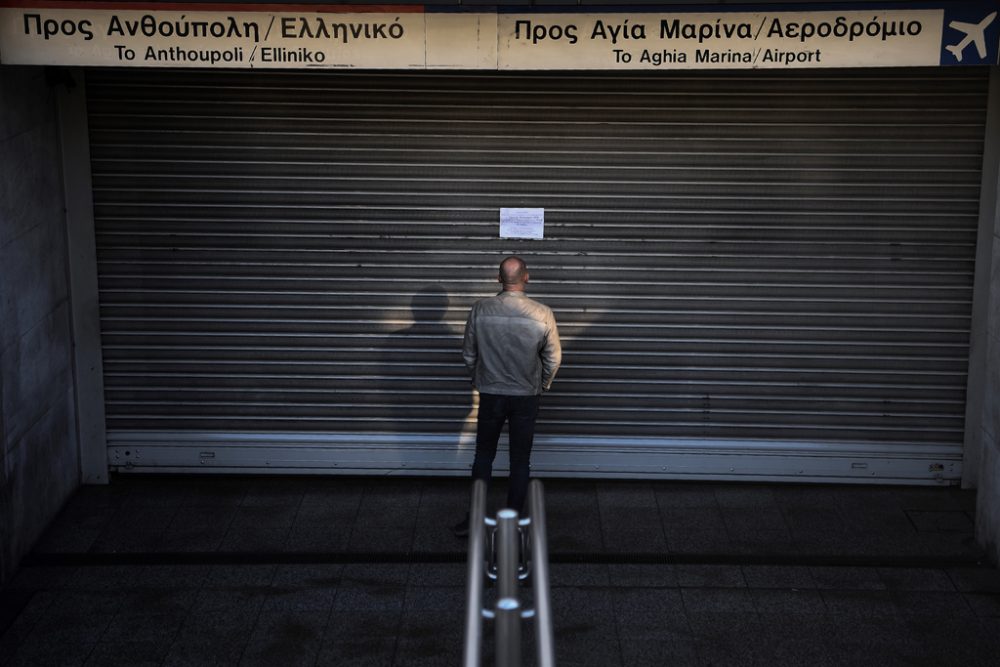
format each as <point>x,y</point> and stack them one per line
<point>513,271</point>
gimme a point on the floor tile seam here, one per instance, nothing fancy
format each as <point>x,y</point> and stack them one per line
<point>119,605</point>
<point>244,492</point>
<point>322,637</point>
<point>761,610</point>
<point>111,526</point>
<point>698,649</point>
<point>885,576</point>
<point>743,576</point>
<point>332,609</point>
<point>97,640</point>
<point>801,568</point>
<point>253,626</point>
<point>904,593</point>
<point>952,573</point>
<point>357,513</point>
<point>285,539</point>
<point>665,522</point>
<point>298,511</point>
<point>975,613</point>
<point>864,609</point>
<point>659,527</point>
<point>618,628</point>
<point>600,517</point>
<point>44,614</point>
<point>610,504</point>
<point>326,626</point>
<point>397,637</point>
<point>731,531</point>
<point>623,639</point>
<point>416,525</point>
<point>33,626</point>
<point>229,524</point>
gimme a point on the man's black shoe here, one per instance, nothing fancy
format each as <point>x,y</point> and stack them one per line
<point>461,529</point>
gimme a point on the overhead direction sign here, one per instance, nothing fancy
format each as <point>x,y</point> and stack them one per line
<point>286,36</point>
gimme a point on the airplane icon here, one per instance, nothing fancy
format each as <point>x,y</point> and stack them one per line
<point>973,33</point>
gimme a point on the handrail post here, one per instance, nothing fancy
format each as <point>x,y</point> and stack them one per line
<point>474,576</point>
<point>508,607</point>
<point>508,546</point>
<point>540,563</point>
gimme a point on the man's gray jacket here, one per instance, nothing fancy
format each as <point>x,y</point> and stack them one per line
<point>511,345</point>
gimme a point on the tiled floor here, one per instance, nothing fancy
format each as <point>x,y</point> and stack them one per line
<point>364,571</point>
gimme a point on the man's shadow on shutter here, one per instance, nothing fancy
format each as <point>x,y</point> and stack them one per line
<point>423,383</point>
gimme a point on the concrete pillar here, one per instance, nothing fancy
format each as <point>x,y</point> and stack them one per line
<point>984,399</point>
<point>39,460</point>
<point>88,364</point>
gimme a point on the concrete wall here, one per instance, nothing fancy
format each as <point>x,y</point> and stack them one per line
<point>988,495</point>
<point>39,460</point>
<point>983,427</point>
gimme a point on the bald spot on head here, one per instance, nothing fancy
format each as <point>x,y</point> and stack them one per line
<point>513,273</point>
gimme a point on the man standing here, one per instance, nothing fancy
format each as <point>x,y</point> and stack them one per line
<point>512,350</point>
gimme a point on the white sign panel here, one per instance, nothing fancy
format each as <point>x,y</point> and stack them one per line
<point>522,223</point>
<point>187,37</point>
<point>135,34</point>
<point>722,41</point>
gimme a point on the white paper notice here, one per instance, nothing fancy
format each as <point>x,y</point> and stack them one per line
<point>522,223</point>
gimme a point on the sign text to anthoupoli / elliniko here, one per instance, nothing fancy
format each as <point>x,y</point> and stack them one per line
<point>408,37</point>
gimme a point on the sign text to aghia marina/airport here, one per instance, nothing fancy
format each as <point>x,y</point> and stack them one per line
<point>414,37</point>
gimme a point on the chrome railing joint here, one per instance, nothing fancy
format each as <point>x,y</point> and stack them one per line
<point>508,550</point>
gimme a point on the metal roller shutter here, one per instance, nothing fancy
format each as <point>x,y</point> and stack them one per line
<point>764,274</point>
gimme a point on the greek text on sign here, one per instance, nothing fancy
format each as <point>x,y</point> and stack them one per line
<point>51,32</point>
<point>732,40</point>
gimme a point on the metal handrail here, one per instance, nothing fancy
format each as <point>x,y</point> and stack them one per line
<point>508,559</point>
<point>508,607</point>
<point>545,642</point>
<point>474,575</point>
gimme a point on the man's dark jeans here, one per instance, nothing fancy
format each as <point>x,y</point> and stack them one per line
<point>520,413</point>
